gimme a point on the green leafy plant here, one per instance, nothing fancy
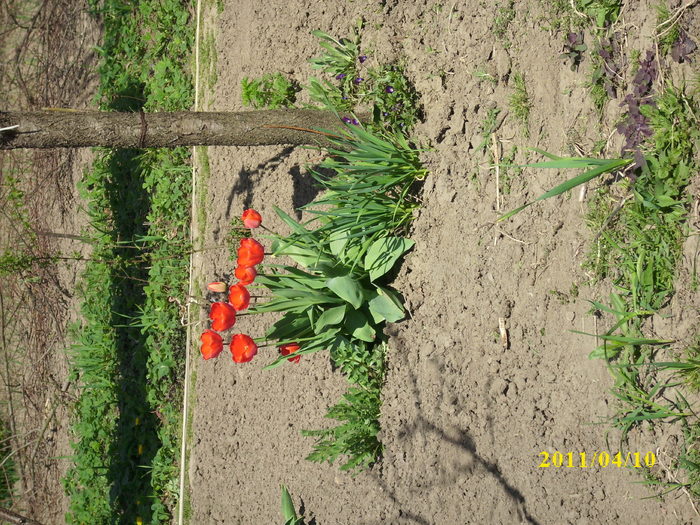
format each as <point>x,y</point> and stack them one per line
<point>328,302</point>
<point>384,89</point>
<point>340,54</point>
<point>603,12</point>
<point>356,437</point>
<point>272,91</point>
<point>574,48</point>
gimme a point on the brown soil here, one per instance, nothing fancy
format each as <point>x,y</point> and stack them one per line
<point>48,61</point>
<point>464,417</point>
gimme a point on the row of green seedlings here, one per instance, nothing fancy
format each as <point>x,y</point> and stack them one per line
<point>346,253</point>
<point>639,241</point>
<point>128,354</point>
<point>335,296</point>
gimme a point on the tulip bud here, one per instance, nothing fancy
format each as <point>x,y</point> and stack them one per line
<point>217,286</point>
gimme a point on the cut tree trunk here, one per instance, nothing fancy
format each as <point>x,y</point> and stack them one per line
<point>67,128</point>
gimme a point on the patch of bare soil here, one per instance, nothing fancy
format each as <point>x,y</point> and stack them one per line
<point>48,60</point>
<point>465,417</point>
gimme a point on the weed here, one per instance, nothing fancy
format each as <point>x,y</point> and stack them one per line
<point>574,48</point>
<point>356,437</point>
<point>603,12</point>
<point>490,125</point>
<point>596,86</point>
<point>485,76</point>
<point>667,32</point>
<point>505,14</point>
<point>508,171</point>
<point>272,91</point>
<point>519,102</point>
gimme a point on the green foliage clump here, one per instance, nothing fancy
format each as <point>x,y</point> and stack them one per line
<point>603,12</point>
<point>272,91</point>
<point>356,437</point>
<point>335,295</point>
<point>359,85</point>
<point>519,102</point>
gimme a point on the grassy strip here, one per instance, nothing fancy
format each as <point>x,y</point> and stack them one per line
<point>130,344</point>
<point>639,242</point>
<point>639,228</point>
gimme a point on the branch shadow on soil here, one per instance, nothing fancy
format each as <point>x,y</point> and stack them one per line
<point>463,440</point>
<point>305,188</point>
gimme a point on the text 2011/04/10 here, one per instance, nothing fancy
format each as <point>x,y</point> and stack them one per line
<point>599,458</point>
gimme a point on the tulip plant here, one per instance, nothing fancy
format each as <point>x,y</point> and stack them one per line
<point>332,293</point>
<point>331,284</point>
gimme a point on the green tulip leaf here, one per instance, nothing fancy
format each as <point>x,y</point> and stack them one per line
<point>357,324</point>
<point>288,511</point>
<point>385,307</point>
<point>330,317</point>
<point>337,242</point>
<point>347,289</point>
<point>383,254</point>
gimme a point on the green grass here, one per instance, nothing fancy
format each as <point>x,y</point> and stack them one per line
<point>208,60</point>
<point>505,14</point>
<point>519,103</point>
<point>8,470</point>
<point>129,345</point>
<point>488,127</point>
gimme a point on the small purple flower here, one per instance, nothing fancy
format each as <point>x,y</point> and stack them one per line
<point>347,120</point>
<point>358,80</point>
<point>340,76</point>
<point>355,122</point>
<point>389,89</point>
<point>362,59</point>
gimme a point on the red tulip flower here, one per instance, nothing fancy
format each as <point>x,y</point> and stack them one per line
<point>250,252</point>
<point>251,219</point>
<point>245,274</point>
<point>223,315</point>
<point>212,344</point>
<point>238,297</point>
<point>290,348</point>
<point>243,348</point>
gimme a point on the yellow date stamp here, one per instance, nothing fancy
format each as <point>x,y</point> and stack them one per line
<point>599,458</point>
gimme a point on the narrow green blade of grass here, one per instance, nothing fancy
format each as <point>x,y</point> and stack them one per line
<point>602,166</point>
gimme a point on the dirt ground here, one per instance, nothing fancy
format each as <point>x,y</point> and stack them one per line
<point>48,60</point>
<point>464,418</point>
